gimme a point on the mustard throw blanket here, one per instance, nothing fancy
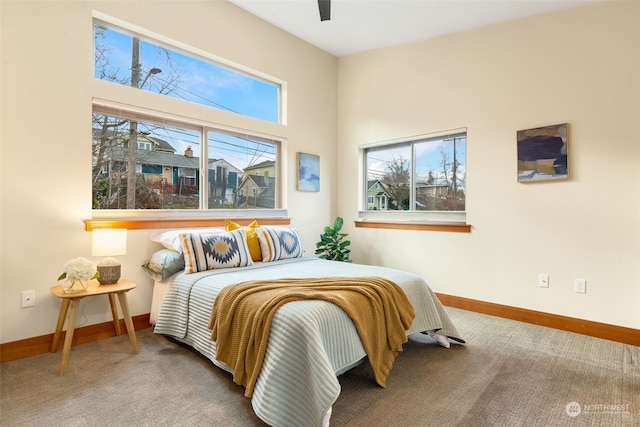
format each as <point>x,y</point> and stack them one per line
<point>242,315</point>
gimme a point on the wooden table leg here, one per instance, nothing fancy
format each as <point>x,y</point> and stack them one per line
<point>71,325</point>
<point>114,313</point>
<point>122,296</point>
<point>64,306</point>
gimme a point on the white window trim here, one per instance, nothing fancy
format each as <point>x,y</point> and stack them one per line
<point>123,214</point>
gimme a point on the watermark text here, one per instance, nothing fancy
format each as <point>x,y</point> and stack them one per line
<point>573,409</point>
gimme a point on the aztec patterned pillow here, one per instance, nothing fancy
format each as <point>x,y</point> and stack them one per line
<point>219,250</point>
<point>279,243</point>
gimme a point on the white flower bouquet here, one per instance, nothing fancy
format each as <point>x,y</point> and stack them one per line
<point>78,270</point>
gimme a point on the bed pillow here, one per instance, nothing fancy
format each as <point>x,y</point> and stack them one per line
<point>252,237</point>
<point>171,239</point>
<point>207,251</point>
<point>163,263</point>
<point>279,243</point>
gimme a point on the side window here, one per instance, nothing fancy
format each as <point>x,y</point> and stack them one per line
<point>425,174</point>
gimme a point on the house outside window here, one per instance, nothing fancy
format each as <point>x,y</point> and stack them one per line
<point>377,196</point>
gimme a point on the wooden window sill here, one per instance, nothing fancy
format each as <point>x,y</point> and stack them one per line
<point>140,224</point>
<point>422,226</point>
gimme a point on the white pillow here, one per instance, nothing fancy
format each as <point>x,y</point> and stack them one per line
<point>171,239</point>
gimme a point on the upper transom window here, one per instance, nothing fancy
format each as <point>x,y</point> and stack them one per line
<point>131,60</point>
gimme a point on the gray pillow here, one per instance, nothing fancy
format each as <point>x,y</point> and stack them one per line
<point>164,263</point>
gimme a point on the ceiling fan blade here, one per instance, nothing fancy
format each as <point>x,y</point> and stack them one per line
<point>325,9</point>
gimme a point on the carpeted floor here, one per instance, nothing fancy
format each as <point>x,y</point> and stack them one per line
<point>508,374</point>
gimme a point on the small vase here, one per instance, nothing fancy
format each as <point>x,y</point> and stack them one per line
<point>75,286</point>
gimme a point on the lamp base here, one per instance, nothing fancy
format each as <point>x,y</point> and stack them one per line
<point>109,274</point>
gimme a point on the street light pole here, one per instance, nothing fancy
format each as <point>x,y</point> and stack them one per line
<point>133,125</point>
<point>133,129</point>
<point>149,73</point>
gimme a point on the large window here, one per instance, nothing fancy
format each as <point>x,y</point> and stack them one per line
<point>149,159</point>
<point>424,174</point>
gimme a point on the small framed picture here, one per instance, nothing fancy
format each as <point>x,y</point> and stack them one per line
<point>542,153</point>
<point>308,172</point>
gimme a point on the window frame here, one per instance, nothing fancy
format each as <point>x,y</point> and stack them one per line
<point>113,99</point>
<point>407,219</point>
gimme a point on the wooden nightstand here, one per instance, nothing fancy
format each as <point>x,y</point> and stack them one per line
<point>73,300</point>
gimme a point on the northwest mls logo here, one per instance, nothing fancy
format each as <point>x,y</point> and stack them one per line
<point>573,409</point>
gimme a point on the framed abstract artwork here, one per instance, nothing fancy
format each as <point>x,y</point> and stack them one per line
<point>542,153</point>
<point>308,172</point>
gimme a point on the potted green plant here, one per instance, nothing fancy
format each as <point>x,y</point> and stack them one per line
<point>333,244</point>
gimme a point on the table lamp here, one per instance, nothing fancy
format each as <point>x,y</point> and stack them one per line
<point>109,242</point>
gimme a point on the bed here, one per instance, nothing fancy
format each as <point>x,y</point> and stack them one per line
<point>310,343</point>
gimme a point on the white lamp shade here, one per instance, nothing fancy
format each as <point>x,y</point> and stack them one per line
<point>109,242</point>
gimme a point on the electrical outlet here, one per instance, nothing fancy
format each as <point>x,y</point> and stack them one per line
<point>580,286</point>
<point>543,280</point>
<point>28,298</point>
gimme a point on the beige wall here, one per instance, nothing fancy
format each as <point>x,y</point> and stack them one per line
<point>47,86</point>
<point>580,66</point>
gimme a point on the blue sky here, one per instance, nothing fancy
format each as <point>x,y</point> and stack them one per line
<point>428,158</point>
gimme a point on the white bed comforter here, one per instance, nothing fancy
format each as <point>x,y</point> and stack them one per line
<point>310,343</point>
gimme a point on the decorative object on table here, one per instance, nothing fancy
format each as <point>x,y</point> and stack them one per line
<point>542,153</point>
<point>78,272</point>
<point>109,242</point>
<point>333,244</point>
<point>308,172</point>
